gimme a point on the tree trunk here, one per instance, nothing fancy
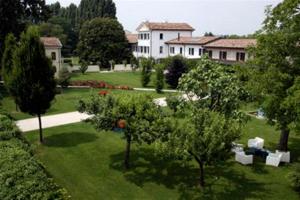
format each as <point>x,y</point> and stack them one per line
<point>201,174</point>
<point>284,137</point>
<point>127,152</point>
<point>41,130</point>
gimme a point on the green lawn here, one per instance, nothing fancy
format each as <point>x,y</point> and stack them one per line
<point>89,165</point>
<point>132,79</point>
<point>67,101</point>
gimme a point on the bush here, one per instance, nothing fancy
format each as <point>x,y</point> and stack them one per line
<point>64,77</point>
<point>294,178</point>
<point>173,102</point>
<point>147,65</point>
<point>159,83</point>
<point>83,67</point>
<point>21,176</point>
<point>8,129</point>
<point>176,67</point>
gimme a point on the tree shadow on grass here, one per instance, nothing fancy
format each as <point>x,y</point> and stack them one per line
<point>222,182</point>
<point>67,139</point>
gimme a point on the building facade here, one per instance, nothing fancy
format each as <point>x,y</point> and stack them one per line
<point>161,40</point>
<point>53,51</point>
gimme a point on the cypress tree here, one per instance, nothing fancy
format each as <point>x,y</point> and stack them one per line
<point>7,59</point>
<point>33,76</point>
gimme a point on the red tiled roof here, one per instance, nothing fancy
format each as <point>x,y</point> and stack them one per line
<point>193,40</point>
<point>132,38</point>
<point>167,26</point>
<point>51,42</point>
<point>232,43</point>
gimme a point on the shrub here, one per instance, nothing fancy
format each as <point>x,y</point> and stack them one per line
<point>147,65</point>
<point>294,178</point>
<point>134,63</point>
<point>8,129</point>
<point>173,102</point>
<point>83,67</point>
<point>159,83</point>
<point>176,67</point>
<point>64,77</point>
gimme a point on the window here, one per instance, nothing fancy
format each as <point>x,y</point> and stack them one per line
<point>148,49</point>
<point>191,51</point>
<point>161,49</point>
<point>142,50</point>
<point>53,55</point>
<point>145,49</point>
<point>172,50</point>
<point>161,36</point>
<point>240,56</point>
<point>180,50</point>
<point>223,55</point>
<point>200,52</point>
<point>210,54</point>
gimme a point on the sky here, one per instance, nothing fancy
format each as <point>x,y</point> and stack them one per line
<point>220,17</point>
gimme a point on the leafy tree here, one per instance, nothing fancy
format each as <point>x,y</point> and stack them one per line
<point>208,34</point>
<point>64,77</point>
<point>15,15</point>
<point>147,65</point>
<point>102,40</point>
<point>176,68</point>
<point>90,9</point>
<point>276,68</point>
<point>53,30</point>
<point>213,121</point>
<point>33,76</point>
<point>143,120</point>
<point>159,84</point>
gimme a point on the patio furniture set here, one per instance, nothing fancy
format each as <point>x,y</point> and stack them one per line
<point>255,148</point>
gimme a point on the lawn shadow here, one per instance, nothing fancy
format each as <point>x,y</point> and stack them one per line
<point>67,139</point>
<point>146,168</point>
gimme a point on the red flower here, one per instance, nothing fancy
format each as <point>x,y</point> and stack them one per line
<point>103,93</point>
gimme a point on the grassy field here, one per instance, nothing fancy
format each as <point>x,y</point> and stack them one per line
<point>132,79</point>
<point>89,165</point>
<point>67,101</point>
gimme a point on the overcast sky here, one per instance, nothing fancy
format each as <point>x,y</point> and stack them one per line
<point>218,16</point>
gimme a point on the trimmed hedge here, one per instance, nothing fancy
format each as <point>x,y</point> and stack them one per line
<point>21,175</point>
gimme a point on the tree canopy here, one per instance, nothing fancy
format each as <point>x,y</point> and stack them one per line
<point>176,67</point>
<point>276,64</point>
<point>33,84</point>
<point>102,40</point>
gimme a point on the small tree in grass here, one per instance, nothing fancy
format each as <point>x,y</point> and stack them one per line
<point>83,67</point>
<point>142,121</point>
<point>64,77</point>
<point>33,83</point>
<point>214,120</point>
<point>176,66</point>
<point>159,84</point>
<point>147,65</point>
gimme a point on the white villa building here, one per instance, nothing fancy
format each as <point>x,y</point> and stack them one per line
<point>53,51</point>
<point>161,40</point>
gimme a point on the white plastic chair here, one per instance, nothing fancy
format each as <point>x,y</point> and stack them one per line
<point>244,159</point>
<point>236,147</point>
<point>274,159</point>
<point>286,156</point>
<point>257,143</point>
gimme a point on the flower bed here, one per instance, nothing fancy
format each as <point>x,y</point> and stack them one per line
<point>99,84</point>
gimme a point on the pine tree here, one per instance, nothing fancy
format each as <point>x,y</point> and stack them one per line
<point>33,76</point>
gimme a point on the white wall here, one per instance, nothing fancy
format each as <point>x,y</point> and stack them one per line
<point>185,50</point>
<point>168,35</point>
<point>58,62</point>
<point>231,53</point>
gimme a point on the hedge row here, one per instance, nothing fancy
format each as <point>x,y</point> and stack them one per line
<point>21,175</point>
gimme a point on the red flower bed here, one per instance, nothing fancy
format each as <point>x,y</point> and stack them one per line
<point>99,84</point>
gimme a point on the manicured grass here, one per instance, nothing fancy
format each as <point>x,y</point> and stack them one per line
<point>89,164</point>
<point>67,101</point>
<point>132,79</point>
